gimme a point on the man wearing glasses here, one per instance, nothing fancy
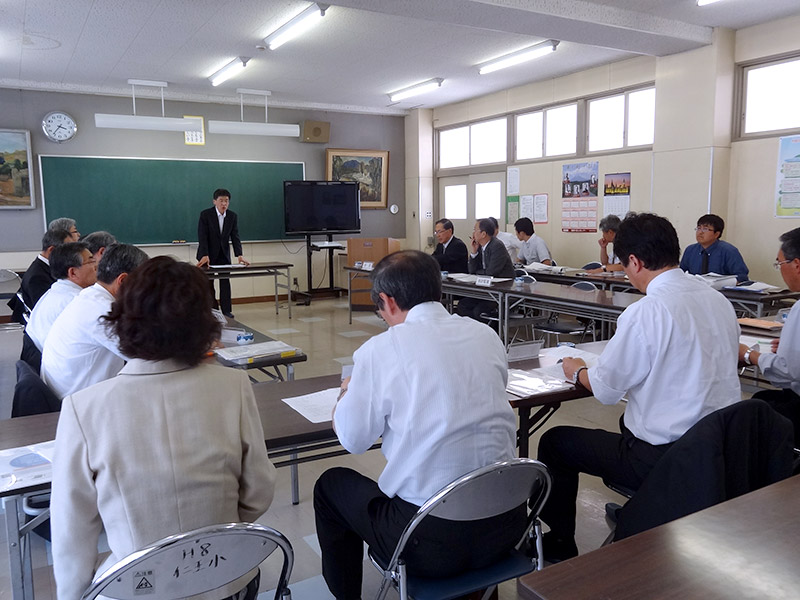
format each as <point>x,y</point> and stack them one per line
<point>451,252</point>
<point>782,365</point>
<point>710,254</point>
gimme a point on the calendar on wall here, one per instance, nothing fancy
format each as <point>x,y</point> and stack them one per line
<point>195,138</point>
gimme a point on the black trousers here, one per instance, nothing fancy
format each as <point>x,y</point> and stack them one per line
<point>224,303</point>
<point>350,509</point>
<point>787,403</point>
<point>473,307</point>
<point>567,451</point>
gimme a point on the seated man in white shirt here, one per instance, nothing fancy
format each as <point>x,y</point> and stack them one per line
<point>609,225</point>
<point>79,351</point>
<point>509,240</point>
<point>533,248</point>
<point>74,268</point>
<point>673,356</point>
<point>433,387</point>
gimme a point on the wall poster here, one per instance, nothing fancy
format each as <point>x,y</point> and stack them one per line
<point>787,186</point>
<point>579,197</point>
<point>617,194</point>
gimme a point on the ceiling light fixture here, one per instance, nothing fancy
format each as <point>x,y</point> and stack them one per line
<point>416,90</point>
<point>704,2</point>
<point>246,128</point>
<point>234,67</point>
<point>135,121</point>
<point>296,25</point>
<point>520,56</point>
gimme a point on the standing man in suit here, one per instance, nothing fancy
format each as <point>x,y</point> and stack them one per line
<point>488,256</point>
<point>451,252</point>
<point>217,229</point>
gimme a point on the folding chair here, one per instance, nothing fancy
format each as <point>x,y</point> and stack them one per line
<point>581,328</point>
<point>592,265</point>
<point>480,494</point>
<point>196,562</point>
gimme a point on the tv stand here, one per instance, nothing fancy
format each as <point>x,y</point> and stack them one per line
<point>311,247</point>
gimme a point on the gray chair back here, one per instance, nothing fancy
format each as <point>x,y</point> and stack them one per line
<point>483,493</point>
<point>193,563</point>
<point>591,265</point>
<point>586,286</point>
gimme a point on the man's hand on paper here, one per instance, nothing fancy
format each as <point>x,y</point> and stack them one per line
<point>243,261</point>
<point>570,365</point>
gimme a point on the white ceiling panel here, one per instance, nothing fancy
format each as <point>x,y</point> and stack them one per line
<point>361,50</point>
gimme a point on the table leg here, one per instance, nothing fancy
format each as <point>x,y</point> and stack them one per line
<point>20,574</point>
<point>288,289</point>
<point>275,281</point>
<point>522,433</point>
<point>295,481</point>
<point>290,372</point>
<point>350,278</point>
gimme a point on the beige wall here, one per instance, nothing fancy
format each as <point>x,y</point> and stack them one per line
<point>693,167</point>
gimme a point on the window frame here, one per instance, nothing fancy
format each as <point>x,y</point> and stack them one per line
<point>740,97</point>
<point>626,112</point>
<point>472,168</point>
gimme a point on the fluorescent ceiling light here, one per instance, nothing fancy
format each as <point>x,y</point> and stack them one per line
<point>704,2</point>
<point>149,123</point>
<point>243,127</point>
<point>415,90</point>
<point>135,121</point>
<point>520,56</point>
<point>234,67</point>
<point>296,26</point>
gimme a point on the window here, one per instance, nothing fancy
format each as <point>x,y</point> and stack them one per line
<point>477,144</point>
<point>549,132</point>
<point>455,202</point>
<point>487,200</point>
<point>609,127</point>
<point>770,97</point>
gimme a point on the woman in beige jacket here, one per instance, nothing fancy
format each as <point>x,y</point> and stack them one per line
<point>166,446</point>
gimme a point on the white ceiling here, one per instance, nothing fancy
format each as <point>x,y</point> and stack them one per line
<point>360,51</point>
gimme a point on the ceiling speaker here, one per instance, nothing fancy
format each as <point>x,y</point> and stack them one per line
<point>318,132</point>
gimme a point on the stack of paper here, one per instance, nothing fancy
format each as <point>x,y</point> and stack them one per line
<point>536,381</point>
<point>541,267</point>
<point>243,355</point>
<point>316,407</point>
<point>25,466</point>
<point>757,287</point>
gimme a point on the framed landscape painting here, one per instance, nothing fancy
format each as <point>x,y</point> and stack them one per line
<point>16,185</point>
<point>369,168</point>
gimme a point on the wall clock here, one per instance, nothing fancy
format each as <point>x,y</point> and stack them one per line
<point>59,127</point>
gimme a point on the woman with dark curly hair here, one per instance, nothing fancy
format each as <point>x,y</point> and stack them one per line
<point>168,445</point>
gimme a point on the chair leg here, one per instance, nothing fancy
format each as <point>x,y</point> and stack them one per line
<point>537,530</point>
<point>401,571</point>
<point>384,589</point>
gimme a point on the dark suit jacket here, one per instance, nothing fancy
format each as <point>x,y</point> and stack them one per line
<point>453,258</point>
<point>35,282</point>
<point>214,244</point>
<point>498,262</point>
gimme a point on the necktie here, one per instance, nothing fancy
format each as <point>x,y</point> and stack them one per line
<point>483,259</point>
<point>704,263</point>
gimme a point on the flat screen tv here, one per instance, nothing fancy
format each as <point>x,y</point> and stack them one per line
<point>321,207</point>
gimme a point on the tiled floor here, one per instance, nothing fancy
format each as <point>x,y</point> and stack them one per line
<point>323,332</point>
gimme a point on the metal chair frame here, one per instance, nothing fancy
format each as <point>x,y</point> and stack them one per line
<point>477,495</point>
<point>551,328</point>
<point>161,561</point>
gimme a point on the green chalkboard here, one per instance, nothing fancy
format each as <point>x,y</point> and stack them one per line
<point>154,201</point>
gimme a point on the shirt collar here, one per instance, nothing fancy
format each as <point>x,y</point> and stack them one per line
<point>139,366</point>
<point>711,247</point>
<point>43,259</point>
<point>219,214</point>
<point>664,279</point>
<point>99,289</point>
<point>68,284</point>
<point>424,311</point>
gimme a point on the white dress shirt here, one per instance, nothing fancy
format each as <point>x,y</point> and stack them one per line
<point>783,368</point>
<point>47,309</point>
<point>221,220</point>
<point>533,250</point>
<point>613,259</point>
<point>674,355</point>
<point>511,242</point>
<point>160,449</point>
<point>435,388</point>
<point>78,351</point>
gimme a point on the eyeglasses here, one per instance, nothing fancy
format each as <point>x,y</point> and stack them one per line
<point>703,229</point>
<point>777,264</point>
<point>437,232</point>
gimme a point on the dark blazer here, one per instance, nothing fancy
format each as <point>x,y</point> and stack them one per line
<point>732,451</point>
<point>35,282</point>
<point>214,244</point>
<point>453,258</point>
<point>498,262</point>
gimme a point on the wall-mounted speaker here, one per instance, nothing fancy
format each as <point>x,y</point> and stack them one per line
<point>318,132</point>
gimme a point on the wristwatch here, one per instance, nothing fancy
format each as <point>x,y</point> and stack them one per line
<point>746,356</point>
<point>604,269</point>
<point>578,375</point>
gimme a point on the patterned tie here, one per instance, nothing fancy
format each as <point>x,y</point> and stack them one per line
<point>704,263</point>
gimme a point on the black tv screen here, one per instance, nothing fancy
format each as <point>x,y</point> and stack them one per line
<point>321,207</point>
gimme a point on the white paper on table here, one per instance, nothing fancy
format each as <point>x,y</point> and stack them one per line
<point>561,352</point>
<point>758,287</point>
<point>763,345</point>
<point>463,277</point>
<point>316,407</point>
<point>238,266</point>
<point>26,465</point>
<point>530,382</point>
